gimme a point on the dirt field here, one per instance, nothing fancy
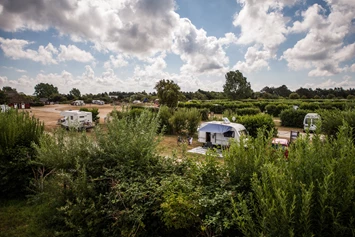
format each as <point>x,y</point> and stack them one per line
<point>49,114</point>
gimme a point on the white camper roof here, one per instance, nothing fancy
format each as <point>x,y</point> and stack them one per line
<point>220,127</point>
<point>312,115</point>
<point>73,112</point>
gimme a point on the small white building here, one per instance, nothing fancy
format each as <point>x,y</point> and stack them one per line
<point>4,108</point>
<point>220,132</point>
<point>76,119</point>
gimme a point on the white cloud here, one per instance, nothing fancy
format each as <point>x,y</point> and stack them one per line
<point>346,82</point>
<point>262,24</point>
<point>74,53</point>
<point>16,69</point>
<point>255,59</point>
<point>322,50</point>
<point>201,54</point>
<point>116,62</point>
<point>352,68</point>
<point>135,26</point>
<point>15,49</point>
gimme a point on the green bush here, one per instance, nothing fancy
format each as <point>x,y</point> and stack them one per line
<point>18,131</point>
<point>299,197</point>
<point>275,110</point>
<point>293,118</point>
<point>204,114</point>
<point>248,111</point>
<point>309,106</point>
<point>165,114</point>
<point>254,122</point>
<point>333,120</point>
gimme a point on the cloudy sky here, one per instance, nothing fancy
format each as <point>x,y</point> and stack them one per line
<point>129,45</point>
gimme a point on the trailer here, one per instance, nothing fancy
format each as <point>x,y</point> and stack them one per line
<point>98,102</point>
<point>78,103</point>
<point>310,122</point>
<point>76,119</point>
<point>216,133</point>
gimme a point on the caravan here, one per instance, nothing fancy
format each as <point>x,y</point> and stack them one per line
<point>310,122</point>
<point>218,133</point>
<point>79,120</point>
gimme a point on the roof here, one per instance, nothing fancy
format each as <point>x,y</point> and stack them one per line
<point>220,127</point>
<point>312,115</point>
<point>281,141</point>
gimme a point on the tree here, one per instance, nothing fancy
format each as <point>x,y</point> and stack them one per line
<point>294,95</point>
<point>168,93</point>
<point>3,97</point>
<point>45,90</point>
<point>75,92</point>
<point>236,86</point>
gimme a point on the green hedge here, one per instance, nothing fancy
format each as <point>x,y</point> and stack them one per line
<point>293,118</point>
<point>253,122</point>
<point>248,111</point>
<point>332,120</point>
<point>275,110</point>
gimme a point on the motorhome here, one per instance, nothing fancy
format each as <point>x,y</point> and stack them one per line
<point>4,108</point>
<point>98,102</point>
<point>216,133</point>
<point>310,122</point>
<point>78,103</point>
<point>76,119</point>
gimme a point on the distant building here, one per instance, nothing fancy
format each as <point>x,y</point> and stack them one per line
<point>18,100</point>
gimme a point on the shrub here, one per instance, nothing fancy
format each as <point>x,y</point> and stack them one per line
<point>18,131</point>
<point>165,113</point>
<point>36,104</point>
<point>204,114</point>
<point>253,122</point>
<point>275,110</point>
<point>294,95</point>
<point>301,195</point>
<point>293,118</point>
<point>309,106</point>
<point>248,111</point>
<point>333,120</point>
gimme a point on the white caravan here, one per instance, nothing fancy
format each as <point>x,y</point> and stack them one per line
<point>4,108</point>
<point>310,122</point>
<point>76,119</point>
<point>219,132</point>
<point>78,103</point>
<point>98,102</point>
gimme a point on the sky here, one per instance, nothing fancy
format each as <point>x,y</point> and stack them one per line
<point>101,46</point>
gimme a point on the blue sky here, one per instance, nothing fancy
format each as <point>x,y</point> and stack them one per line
<point>129,45</point>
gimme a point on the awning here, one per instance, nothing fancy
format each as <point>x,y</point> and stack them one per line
<point>215,128</point>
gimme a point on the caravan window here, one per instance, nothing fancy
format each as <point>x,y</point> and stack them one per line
<point>71,117</point>
<point>229,134</point>
<point>82,116</point>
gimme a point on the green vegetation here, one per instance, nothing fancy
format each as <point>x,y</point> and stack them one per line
<point>18,131</point>
<point>115,183</point>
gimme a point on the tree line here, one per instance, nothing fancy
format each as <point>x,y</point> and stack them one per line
<point>236,87</point>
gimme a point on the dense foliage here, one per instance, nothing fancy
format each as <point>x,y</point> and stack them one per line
<point>293,118</point>
<point>168,93</point>
<point>18,131</point>
<point>115,184</point>
<point>237,86</point>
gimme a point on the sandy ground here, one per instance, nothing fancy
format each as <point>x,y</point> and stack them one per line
<point>49,114</point>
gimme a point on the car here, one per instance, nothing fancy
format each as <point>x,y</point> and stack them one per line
<point>281,143</point>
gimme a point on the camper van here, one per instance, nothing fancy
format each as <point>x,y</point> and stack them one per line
<point>310,122</point>
<point>76,119</point>
<point>78,103</point>
<point>4,108</point>
<point>216,133</point>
